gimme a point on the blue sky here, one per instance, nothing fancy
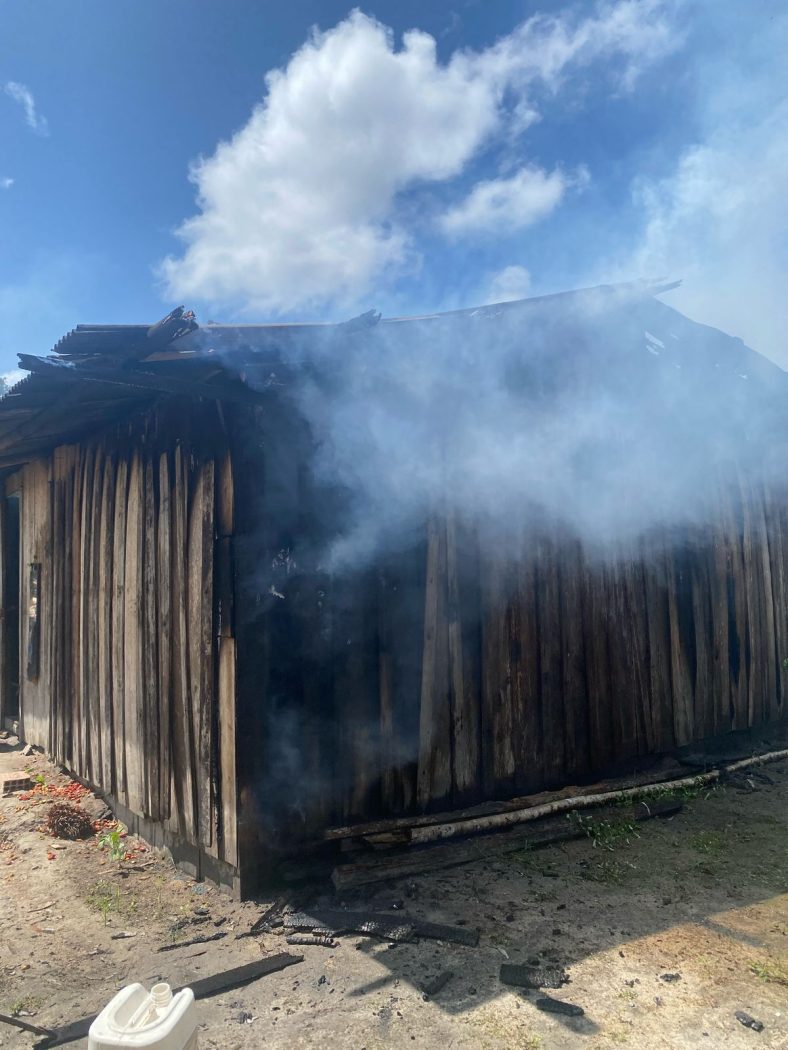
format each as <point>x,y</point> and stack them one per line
<point>497,149</point>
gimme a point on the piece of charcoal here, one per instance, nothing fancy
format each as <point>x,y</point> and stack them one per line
<point>558,1006</point>
<point>320,939</point>
<point>669,978</point>
<point>437,984</point>
<point>521,975</point>
<point>748,1021</point>
<point>436,931</point>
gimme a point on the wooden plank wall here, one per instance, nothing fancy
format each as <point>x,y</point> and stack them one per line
<point>462,674</point>
<point>131,695</point>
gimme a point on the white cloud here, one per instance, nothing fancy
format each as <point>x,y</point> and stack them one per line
<point>513,282</point>
<point>497,205</point>
<point>13,377</point>
<point>719,220</point>
<point>24,96</point>
<point>6,183</point>
<point>300,207</point>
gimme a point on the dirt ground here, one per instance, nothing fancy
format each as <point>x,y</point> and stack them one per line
<point>703,895</point>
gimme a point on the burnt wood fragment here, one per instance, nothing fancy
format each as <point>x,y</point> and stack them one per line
<point>322,940</point>
<point>194,940</point>
<point>437,984</point>
<point>557,1006</point>
<point>522,975</point>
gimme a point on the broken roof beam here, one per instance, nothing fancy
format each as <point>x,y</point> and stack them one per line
<point>135,379</point>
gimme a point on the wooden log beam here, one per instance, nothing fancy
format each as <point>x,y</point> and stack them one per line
<point>451,854</point>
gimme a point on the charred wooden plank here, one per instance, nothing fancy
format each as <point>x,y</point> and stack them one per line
<point>498,755</point>
<point>524,655</point>
<point>105,587</point>
<point>434,772</point>
<point>550,663</point>
<point>200,609</point>
<point>119,781</point>
<point>183,737</point>
<point>574,662</point>
<point>463,669</point>
<point>522,975</point>
<point>658,626</point>
<point>164,627</point>
<point>151,636</point>
<point>203,938</point>
<point>321,940</point>
<point>334,921</point>
<point>133,640</point>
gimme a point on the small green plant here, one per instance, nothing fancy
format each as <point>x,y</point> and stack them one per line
<point>605,834</point>
<point>610,871</point>
<point>29,1004</point>
<point>710,843</point>
<point>107,898</point>
<point>114,842</point>
<point>39,778</point>
<point>770,971</point>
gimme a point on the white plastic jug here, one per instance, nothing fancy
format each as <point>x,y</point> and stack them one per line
<point>146,1019</point>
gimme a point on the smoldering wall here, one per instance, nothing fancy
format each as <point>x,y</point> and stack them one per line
<point>605,417</point>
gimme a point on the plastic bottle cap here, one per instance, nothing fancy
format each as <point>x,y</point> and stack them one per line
<point>161,994</point>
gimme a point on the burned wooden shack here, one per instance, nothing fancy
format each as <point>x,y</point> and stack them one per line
<point>172,635</point>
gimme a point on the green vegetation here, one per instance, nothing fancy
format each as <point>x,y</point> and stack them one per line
<point>107,898</point>
<point>771,971</point>
<point>610,871</point>
<point>114,842</point>
<point>710,843</point>
<point>29,1004</point>
<point>605,834</point>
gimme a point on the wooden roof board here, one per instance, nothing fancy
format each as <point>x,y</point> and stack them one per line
<point>117,365</point>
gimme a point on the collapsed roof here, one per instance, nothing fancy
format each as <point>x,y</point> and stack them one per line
<point>622,336</point>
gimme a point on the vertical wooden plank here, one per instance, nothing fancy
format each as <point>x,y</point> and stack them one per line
<point>92,617</point>
<point>434,770</point>
<point>701,614</point>
<point>463,674</point>
<point>225,507</point>
<point>105,602</point>
<point>183,744</point>
<point>133,689</point>
<point>83,620</point>
<point>120,779</point>
<point>720,620</point>
<point>55,599</point>
<point>768,645</point>
<point>661,689</point>
<point>736,587</point>
<point>624,671</point>
<point>775,534</point>
<point>164,609</point>
<point>78,714</point>
<point>524,653</point>
<point>389,765</point>
<point>679,612</point>
<point>501,686</point>
<point>600,700</point>
<point>401,644</point>
<point>550,662</point>
<point>574,661</point>
<point>200,606</point>
<point>756,653</point>
<point>150,648</point>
